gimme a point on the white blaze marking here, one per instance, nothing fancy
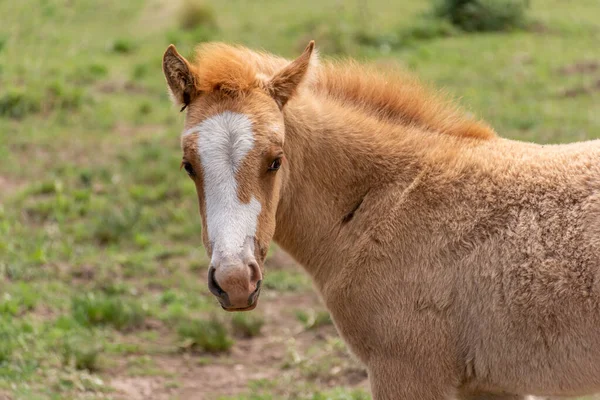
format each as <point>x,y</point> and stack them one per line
<point>223,142</point>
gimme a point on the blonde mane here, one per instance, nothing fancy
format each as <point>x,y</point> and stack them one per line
<point>391,95</point>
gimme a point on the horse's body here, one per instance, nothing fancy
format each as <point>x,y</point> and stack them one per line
<point>454,263</point>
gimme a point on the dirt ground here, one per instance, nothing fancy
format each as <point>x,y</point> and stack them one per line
<point>250,359</point>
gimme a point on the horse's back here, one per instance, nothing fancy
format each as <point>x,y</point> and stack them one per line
<point>533,280</point>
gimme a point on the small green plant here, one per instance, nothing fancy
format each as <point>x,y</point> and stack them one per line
<point>341,394</point>
<point>89,73</point>
<point>18,103</point>
<point>208,335</point>
<point>429,28</point>
<point>140,71</point>
<point>312,319</point>
<point>61,96</point>
<point>483,15</point>
<point>286,281</point>
<point>247,324</point>
<point>113,224</point>
<point>80,351</point>
<point>6,349</point>
<point>99,309</point>
<point>20,299</point>
<point>144,108</point>
<point>196,13</point>
<point>168,297</point>
<point>123,46</point>
<point>7,337</point>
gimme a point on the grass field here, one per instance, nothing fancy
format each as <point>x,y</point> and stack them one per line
<point>102,274</point>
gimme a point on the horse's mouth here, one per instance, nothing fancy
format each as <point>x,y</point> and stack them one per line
<point>232,309</point>
<point>253,299</point>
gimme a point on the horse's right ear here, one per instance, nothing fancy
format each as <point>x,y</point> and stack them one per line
<point>180,75</point>
<point>285,82</point>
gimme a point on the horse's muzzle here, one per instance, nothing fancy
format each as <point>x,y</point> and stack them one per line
<point>236,285</point>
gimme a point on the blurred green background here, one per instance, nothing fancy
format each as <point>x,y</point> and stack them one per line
<point>102,274</point>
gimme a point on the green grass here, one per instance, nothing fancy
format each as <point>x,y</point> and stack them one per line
<point>286,281</point>
<point>81,351</point>
<point>247,324</point>
<point>102,273</point>
<point>205,335</point>
<point>98,309</point>
<point>312,319</point>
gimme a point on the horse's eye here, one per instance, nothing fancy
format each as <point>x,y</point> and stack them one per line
<point>275,164</point>
<point>188,168</point>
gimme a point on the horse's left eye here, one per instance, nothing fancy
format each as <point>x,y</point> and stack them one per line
<point>275,164</point>
<point>188,168</point>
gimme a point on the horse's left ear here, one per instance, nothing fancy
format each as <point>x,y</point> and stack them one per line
<point>285,82</point>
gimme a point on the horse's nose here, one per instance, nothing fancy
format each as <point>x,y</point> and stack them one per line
<point>236,285</point>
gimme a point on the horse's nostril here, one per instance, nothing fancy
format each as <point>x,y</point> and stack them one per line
<point>254,294</point>
<point>214,287</point>
<point>257,286</point>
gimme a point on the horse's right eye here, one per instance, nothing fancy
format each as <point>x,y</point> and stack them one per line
<point>188,168</point>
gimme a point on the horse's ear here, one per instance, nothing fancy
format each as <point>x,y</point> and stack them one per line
<point>285,82</point>
<point>180,75</point>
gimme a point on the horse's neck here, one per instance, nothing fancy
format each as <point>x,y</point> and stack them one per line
<point>334,159</point>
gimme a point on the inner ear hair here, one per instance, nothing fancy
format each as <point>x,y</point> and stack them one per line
<point>186,102</point>
<point>284,84</point>
<point>180,76</point>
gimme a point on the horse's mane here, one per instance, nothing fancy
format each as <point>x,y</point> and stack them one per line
<point>390,95</point>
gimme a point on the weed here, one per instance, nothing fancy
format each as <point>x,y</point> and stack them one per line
<point>208,335</point>
<point>483,15</point>
<point>144,108</point>
<point>18,103</point>
<point>140,71</point>
<point>247,324</point>
<point>18,299</point>
<point>99,309</point>
<point>114,224</point>
<point>286,281</point>
<point>426,28</point>
<point>196,13</point>
<point>8,334</point>
<point>89,73</point>
<point>341,394</point>
<point>45,187</point>
<point>123,46</point>
<point>262,389</point>
<point>81,351</point>
<point>312,319</point>
<point>168,297</point>
<point>63,97</point>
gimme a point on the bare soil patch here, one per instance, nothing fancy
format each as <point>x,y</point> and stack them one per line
<point>203,376</point>
<point>582,90</point>
<point>582,67</point>
<point>8,187</point>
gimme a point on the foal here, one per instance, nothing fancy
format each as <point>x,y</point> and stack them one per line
<point>455,264</point>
